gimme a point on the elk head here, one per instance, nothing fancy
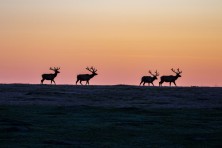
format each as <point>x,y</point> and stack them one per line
<point>92,70</point>
<point>154,75</point>
<point>178,72</point>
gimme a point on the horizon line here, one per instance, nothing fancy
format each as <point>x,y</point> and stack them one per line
<point>103,85</point>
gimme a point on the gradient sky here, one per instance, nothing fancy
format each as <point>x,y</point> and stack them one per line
<point>123,39</point>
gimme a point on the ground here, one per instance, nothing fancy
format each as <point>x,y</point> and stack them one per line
<point>109,116</point>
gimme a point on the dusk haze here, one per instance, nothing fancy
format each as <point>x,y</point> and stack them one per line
<point>123,39</point>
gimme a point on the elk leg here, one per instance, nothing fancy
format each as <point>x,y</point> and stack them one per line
<point>170,83</point>
<point>80,82</point>
<point>152,84</point>
<point>141,82</point>
<point>54,81</point>
<point>87,82</point>
<point>174,83</point>
<point>77,81</point>
<point>42,81</point>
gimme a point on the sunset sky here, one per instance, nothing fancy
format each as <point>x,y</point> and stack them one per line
<point>123,39</point>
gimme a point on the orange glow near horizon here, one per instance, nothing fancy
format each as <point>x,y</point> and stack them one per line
<point>123,39</point>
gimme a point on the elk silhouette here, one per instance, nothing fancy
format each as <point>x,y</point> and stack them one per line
<point>86,77</point>
<point>170,78</point>
<point>149,79</point>
<point>50,77</point>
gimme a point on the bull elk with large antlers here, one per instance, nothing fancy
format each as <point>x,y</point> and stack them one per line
<point>170,78</point>
<point>50,77</point>
<point>86,77</point>
<point>149,79</point>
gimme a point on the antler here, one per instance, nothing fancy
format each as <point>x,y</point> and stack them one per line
<point>88,69</point>
<point>92,69</point>
<point>156,73</point>
<point>173,70</point>
<point>177,72</point>
<point>151,73</point>
<point>54,69</point>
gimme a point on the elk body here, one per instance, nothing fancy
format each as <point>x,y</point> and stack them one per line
<point>149,79</point>
<point>50,77</point>
<point>86,77</point>
<point>170,78</point>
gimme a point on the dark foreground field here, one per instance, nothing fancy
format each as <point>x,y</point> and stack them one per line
<point>110,116</point>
